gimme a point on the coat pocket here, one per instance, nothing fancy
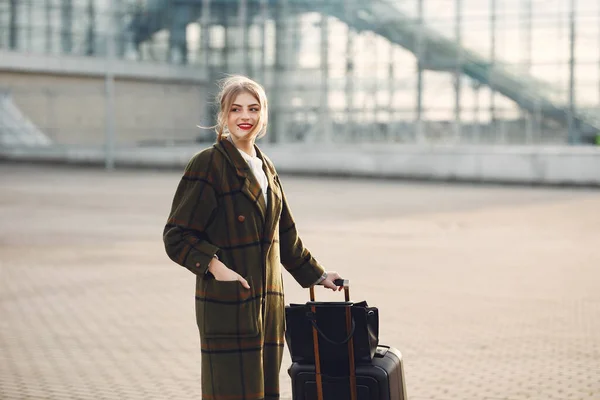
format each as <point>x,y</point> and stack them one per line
<point>227,309</point>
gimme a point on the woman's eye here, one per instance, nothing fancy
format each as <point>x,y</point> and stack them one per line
<point>235,109</point>
<point>254,109</point>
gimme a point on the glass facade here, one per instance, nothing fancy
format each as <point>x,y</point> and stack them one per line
<point>447,71</point>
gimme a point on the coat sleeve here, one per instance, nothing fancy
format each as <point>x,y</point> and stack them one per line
<point>296,259</point>
<point>193,208</point>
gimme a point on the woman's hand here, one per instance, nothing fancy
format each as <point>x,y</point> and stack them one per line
<point>328,282</point>
<point>222,273</point>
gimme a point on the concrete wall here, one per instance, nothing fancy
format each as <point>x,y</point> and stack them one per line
<point>65,98</point>
<point>557,165</point>
<point>551,165</point>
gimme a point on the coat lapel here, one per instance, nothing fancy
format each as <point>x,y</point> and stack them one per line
<point>274,196</point>
<point>250,186</point>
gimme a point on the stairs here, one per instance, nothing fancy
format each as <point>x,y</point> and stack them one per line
<point>383,18</point>
<point>16,130</point>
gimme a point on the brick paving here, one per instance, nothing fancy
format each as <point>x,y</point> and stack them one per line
<point>490,292</point>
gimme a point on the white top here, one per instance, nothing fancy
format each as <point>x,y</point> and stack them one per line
<point>255,164</point>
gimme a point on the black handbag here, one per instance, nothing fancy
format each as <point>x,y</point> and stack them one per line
<point>329,320</point>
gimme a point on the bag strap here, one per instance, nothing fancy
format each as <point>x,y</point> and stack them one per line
<point>350,328</point>
<point>316,351</point>
<point>351,364</point>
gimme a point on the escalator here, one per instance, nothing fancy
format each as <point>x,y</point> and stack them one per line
<point>16,130</point>
<point>384,19</point>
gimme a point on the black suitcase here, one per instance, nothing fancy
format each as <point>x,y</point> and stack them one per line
<point>344,379</point>
<point>382,379</point>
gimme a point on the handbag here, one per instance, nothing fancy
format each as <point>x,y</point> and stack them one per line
<point>329,321</point>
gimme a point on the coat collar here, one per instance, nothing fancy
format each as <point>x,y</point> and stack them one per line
<point>251,187</point>
<point>274,192</point>
<point>233,155</point>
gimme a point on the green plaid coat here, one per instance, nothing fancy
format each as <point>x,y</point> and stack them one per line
<point>219,209</point>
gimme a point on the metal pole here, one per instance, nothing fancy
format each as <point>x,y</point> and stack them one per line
<point>374,91</point>
<point>538,117</point>
<point>458,70</point>
<point>120,34</point>
<point>368,100</point>
<point>502,117</point>
<point>294,40</point>
<point>349,83</point>
<point>528,34</point>
<point>391,92</point>
<point>30,25</point>
<point>206,52</point>
<point>49,36</point>
<point>90,39</point>
<point>419,110</point>
<point>205,32</point>
<point>264,14</point>
<point>224,16</point>
<point>528,63</point>
<point>109,88</point>
<point>493,17</point>
<point>476,122</point>
<point>278,95</point>
<point>527,22</point>
<point>502,111</point>
<point>242,23</point>
<point>573,134</point>
<point>324,103</point>
<point>67,25</point>
<point>12,25</point>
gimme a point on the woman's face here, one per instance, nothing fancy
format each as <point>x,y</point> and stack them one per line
<point>243,117</point>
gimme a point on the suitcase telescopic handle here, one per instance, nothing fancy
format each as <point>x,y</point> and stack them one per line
<point>350,328</point>
<point>345,283</point>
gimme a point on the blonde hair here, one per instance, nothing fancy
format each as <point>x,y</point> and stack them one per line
<point>230,88</point>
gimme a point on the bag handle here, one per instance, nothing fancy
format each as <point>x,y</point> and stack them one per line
<point>312,319</point>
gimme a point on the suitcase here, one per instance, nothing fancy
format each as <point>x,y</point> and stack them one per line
<point>380,379</point>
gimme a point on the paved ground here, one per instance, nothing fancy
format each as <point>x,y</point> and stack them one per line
<point>489,292</point>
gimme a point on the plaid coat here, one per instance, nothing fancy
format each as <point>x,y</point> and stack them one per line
<point>219,208</point>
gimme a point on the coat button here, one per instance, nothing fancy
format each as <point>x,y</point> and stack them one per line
<point>241,218</point>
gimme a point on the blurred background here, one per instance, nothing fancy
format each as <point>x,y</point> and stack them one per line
<point>490,291</point>
<point>132,73</point>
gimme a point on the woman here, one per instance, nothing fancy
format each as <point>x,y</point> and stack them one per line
<point>230,224</point>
